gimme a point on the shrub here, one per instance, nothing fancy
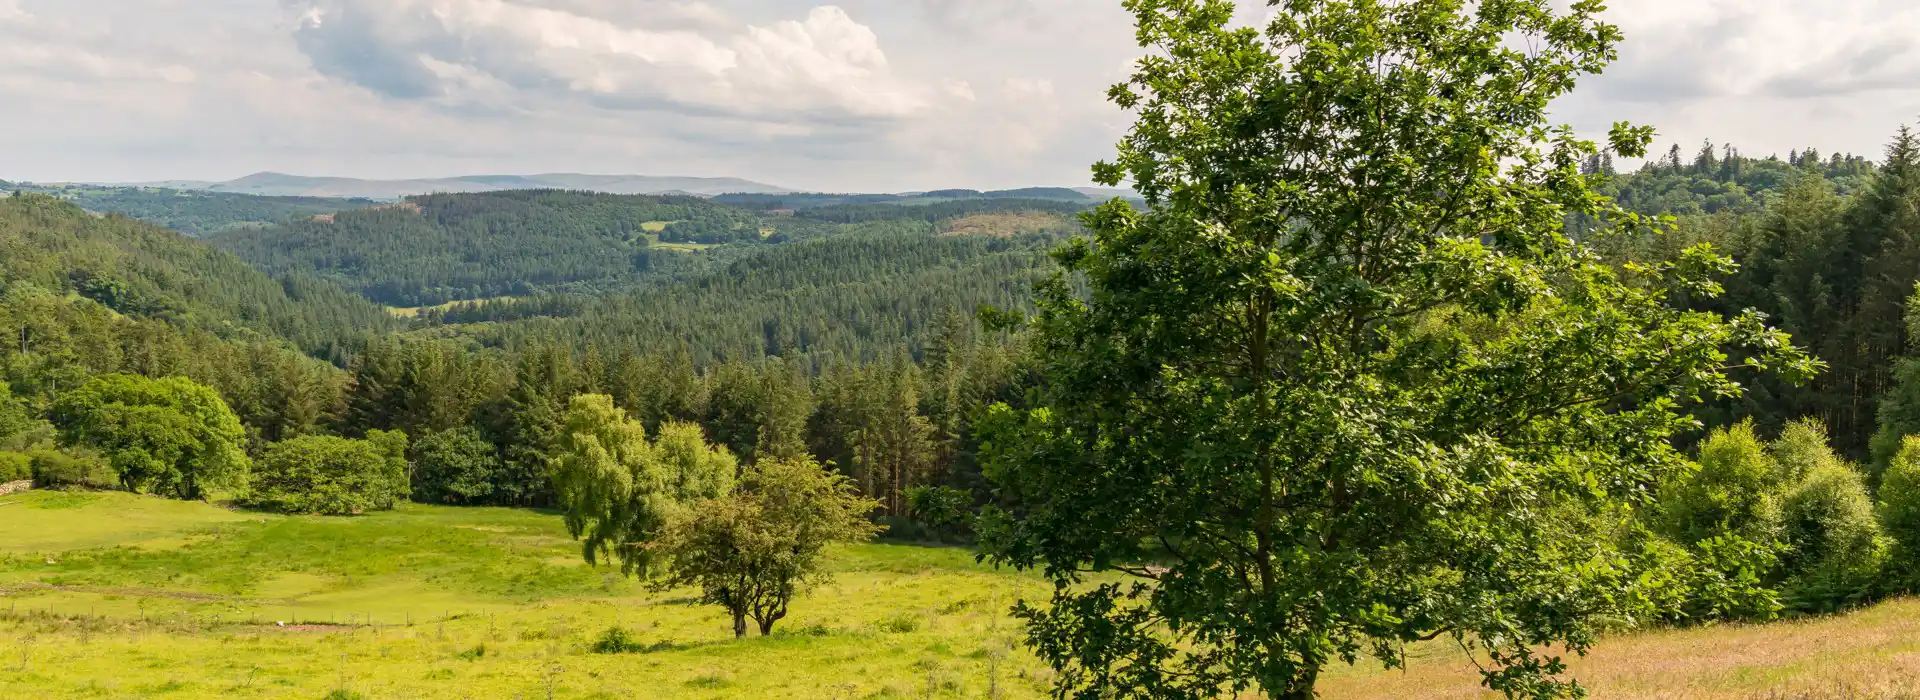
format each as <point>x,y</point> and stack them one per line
<point>455,467</point>
<point>1834,546</point>
<point>59,470</point>
<point>903,623</point>
<point>945,512</point>
<point>333,476</point>
<point>1801,449</point>
<point>15,466</point>
<point>1732,493</point>
<point>1899,506</point>
<point>617,640</point>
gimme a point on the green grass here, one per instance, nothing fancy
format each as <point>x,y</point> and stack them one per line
<point>415,311</point>
<point>653,241</point>
<point>111,595</point>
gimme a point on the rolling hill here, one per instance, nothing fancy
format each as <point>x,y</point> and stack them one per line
<point>144,271</point>
<point>435,249</point>
<point>198,212</point>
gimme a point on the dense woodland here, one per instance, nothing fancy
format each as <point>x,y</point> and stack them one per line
<point>434,249</point>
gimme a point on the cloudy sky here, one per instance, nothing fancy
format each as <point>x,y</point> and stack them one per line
<point>865,95</point>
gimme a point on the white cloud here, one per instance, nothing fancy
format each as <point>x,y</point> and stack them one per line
<point>1766,75</point>
<point>823,66</point>
<point>856,95</point>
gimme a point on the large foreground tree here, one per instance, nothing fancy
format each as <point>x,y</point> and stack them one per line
<point>1347,383</point>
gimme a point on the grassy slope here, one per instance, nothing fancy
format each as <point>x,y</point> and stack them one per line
<point>188,609</point>
<point>185,600</point>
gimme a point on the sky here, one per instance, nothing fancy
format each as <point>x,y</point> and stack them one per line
<point>856,95</point>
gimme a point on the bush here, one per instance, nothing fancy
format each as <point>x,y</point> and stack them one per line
<point>1899,507</point>
<point>902,623</point>
<point>945,512</point>
<point>455,467</point>
<point>1732,494</point>
<point>333,476</point>
<point>15,466</point>
<point>1834,546</point>
<point>1801,449</point>
<point>617,640</point>
<point>59,470</point>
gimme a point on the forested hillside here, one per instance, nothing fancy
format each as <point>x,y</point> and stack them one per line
<point>83,296</point>
<point>199,213</point>
<point>434,249</point>
<point>141,270</point>
<point>852,297</point>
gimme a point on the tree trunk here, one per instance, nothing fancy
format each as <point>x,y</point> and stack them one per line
<point>766,625</point>
<point>1302,687</point>
<point>739,624</point>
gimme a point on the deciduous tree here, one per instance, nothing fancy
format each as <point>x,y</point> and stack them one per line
<point>754,550</point>
<point>621,492</point>
<point>1346,384</point>
<point>326,475</point>
<point>168,436</point>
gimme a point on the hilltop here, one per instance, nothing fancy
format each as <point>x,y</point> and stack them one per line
<point>284,185</point>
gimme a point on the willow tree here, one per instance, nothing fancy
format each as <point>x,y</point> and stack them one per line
<point>621,492</point>
<point>1346,383</point>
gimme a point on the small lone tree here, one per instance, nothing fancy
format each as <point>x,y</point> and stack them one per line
<point>167,436</point>
<point>752,551</point>
<point>619,491</point>
<point>1348,383</point>
<point>326,475</point>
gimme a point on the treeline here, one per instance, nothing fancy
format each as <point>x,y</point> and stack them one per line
<point>934,213</point>
<point>1719,178</point>
<point>484,423</point>
<point>804,201</point>
<point>435,249</point>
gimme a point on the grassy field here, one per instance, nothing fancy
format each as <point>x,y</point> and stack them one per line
<point>415,311</point>
<point>112,595</point>
<point>431,602</point>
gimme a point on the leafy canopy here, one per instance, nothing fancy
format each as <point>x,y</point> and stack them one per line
<point>456,467</point>
<point>1899,507</point>
<point>167,436</point>
<point>327,475</point>
<point>754,550</point>
<point>1347,383</point>
<point>620,492</point>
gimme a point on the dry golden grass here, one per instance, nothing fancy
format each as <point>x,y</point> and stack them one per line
<point>1873,654</point>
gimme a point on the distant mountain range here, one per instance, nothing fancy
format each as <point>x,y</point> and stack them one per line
<point>282,185</point>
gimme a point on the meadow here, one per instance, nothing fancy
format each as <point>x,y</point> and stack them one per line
<point>116,595</point>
